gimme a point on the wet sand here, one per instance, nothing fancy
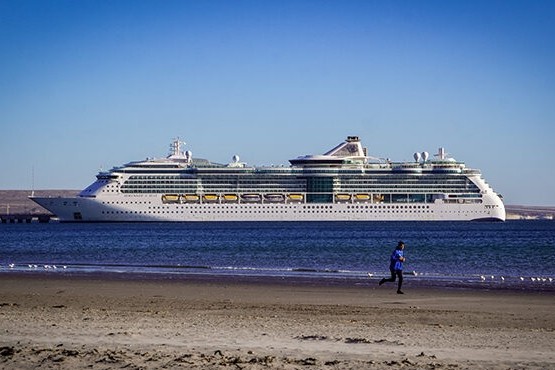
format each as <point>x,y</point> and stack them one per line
<point>103,322</point>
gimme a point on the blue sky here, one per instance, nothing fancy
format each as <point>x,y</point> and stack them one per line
<point>94,84</point>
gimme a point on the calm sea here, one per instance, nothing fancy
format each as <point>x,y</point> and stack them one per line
<point>517,254</point>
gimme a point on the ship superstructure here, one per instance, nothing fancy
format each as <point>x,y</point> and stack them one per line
<point>344,184</point>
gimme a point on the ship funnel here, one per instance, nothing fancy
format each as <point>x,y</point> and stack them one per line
<point>417,157</point>
<point>425,156</point>
<point>441,153</point>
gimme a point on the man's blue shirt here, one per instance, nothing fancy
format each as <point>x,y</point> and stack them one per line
<point>396,263</point>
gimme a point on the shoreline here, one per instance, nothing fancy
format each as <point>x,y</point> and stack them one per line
<point>80,322</point>
<point>410,282</point>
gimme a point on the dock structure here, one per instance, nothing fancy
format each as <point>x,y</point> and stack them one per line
<point>16,207</point>
<point>25,218</point>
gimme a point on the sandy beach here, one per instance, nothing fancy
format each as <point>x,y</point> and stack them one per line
<point>101,322</point>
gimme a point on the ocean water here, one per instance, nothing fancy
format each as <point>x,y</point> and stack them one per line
<point>516,254</point>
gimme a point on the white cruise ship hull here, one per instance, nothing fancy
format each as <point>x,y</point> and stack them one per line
<point>151,209</point>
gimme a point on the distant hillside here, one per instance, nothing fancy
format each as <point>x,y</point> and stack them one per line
<point>529,212</point>
<point>17,201</point>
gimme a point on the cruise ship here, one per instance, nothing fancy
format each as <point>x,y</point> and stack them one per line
<point>344,184</point>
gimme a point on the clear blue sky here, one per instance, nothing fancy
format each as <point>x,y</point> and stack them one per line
<point>90,84</point>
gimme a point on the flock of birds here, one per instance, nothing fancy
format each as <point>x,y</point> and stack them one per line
<point>414,273</point>
<point>35,267</point>
<point>532,279</point>
<point>484,278</point>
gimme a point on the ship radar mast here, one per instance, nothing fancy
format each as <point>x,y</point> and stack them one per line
<point>442,155</point>
<point>176,152</point>
<point>175,147</point>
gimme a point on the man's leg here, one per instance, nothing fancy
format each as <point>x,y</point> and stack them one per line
<point>391,279</point>
<point>400,276</point>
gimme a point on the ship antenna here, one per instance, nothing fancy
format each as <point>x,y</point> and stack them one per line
<point>175,147</point>
<point>33,181</point>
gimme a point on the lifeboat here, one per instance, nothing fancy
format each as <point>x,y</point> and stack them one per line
<point>211,197</point>
<point>231,197</point>
<point>170,198</point>
<point>275,198</point>
<point>295,197</point>
<point>191,198</point>
<point>251,197</point>
<point>342,197</point>
<point>362,197</point>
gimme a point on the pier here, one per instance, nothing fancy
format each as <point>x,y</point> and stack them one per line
<point>17,208</point>
<point>25,218</point>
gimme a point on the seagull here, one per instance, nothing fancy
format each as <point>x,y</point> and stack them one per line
<point>502,278</point>
<point>11,265</point>
<point>550,280</point>
<point>482,277</point>
<point>369,274</point>
<point>521,278</point>
<point>533,279</point>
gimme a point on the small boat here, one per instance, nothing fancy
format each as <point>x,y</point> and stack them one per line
<point>191,197</point>
<point>274,197</point>
<point>295,197</point>
<point>211,197</point>
<point>362,197</point>
<point>230,197</point>
<point>342,197</point>
<point>251,197</point>
<point>170,198</point>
